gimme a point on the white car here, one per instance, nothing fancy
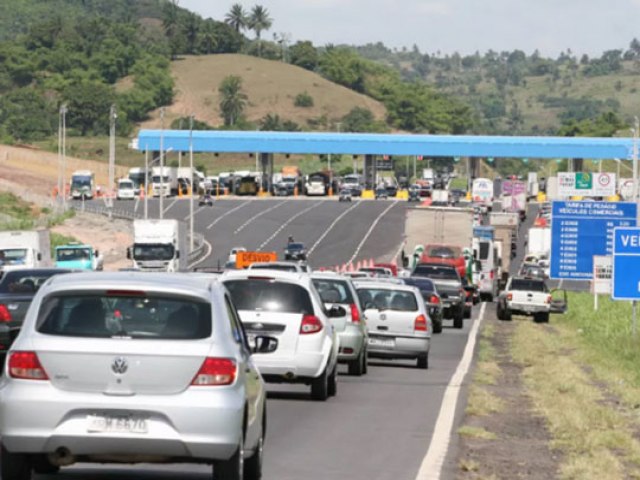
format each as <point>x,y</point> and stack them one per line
<point>397,320</point>
<point>286,266</point>
<point>288,307</point>
<point>122,366</point>
<point>126,190</point>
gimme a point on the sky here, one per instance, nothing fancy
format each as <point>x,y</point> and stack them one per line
<point>447,26</point>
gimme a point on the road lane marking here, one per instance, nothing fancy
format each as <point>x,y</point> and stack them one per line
<point>248,222</point>
<point>196,212</point>
<point>333,224</point>
<point>207,255</point>
<point>228,213</point>
<point>284,225</point>
<point>370,231</point>
<point>431,467</point>
<point>175,200</point>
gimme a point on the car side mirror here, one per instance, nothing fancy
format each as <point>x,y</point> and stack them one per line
<point>336,312</point>
<point>262,344</point>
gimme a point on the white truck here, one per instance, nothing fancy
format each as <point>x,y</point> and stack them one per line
<point>159,246</point>
<point>83,184</point>
<point>164,181</point>
<point>440,197</point>
<point>429,175</point>
<point>505,226</point>
<point>539,241</point>
<point>532,184</point>
<point>525,296</point>
<point>25,249</point>
<point>552,189</point>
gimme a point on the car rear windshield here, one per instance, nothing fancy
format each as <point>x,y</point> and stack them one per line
<point>295,246</point>
<point>435,271</point>
<point>528,285</point>
<point>387,299</point>
<point>27,281</point>
<point>270,296</point>
<point>423,284</point>
<point>334,291</point>
<point>444,251</point>
<point>103,315</point>
<point>484,250</point>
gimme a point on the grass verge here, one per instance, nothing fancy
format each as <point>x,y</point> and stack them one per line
<point>481,400</point>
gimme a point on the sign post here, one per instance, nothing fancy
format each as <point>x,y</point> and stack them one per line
<point>601,284</point>
<point>626,267</point>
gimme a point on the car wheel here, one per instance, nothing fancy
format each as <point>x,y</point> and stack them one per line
<point>506,315</point>
<point>437,326</point>
<point>43,466</point>
<point>253,465</point>
<point>365,365</point>
<point>458,319</point>
<point>14,466</point>
<point>467,312</point>
<point>320,387</point>
<point>232,469</point>
<point>332,387</point>
<point>423,362</point>
<point>356,367</point>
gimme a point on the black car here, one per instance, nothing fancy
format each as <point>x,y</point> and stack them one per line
<point>381,192</point>
<point>295,251</point>
<point>431,297</point>
<point>449,285</point>
<point>17,289</point>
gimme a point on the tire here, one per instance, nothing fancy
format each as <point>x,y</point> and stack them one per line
<point>356,367</point>
<point>332,387</point>
<point>458,318</point>
<point>14,466</point>
<point>365,365</point>
<point>43,466</point>
<point>499,312</point>
<point>232,469</point>
<point>541,318</point>
<point>423,362</point>
<point>320,387</point>
<point>253,465</point>
<point>506,315</point>
<point>437,326</point>
<point>467,312</point>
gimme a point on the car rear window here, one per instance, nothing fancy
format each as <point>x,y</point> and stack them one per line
<point>333,291</point>
<point>423,284</point>
<point>387,299</point>
<point>124,316</point>
<point>435,271</point>
<point>270,296</point>
<point>24,281</point>
<point>484,250</point>
<point>444,251</point>
<point>528,285</point>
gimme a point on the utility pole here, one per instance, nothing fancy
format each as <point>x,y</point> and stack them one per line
<point>146,182</point>
<point>161,199</point>
<point>191,199</point>
<point>180,151</point>
<point>60,176</point>
<point>63,114</point>
<point>636,127</point>
<point>112,149</point>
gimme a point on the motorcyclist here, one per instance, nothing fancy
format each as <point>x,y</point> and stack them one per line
<point>290,240</point>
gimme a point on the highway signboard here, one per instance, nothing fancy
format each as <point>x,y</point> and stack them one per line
<point>586,184</point>
<point>581,230</point>
<point>626,264</point>
<point>244,259</point>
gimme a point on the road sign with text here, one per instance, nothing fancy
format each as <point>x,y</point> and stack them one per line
<point>626,264</point>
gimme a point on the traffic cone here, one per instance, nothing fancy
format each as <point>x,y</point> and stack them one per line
<point>371,263</point>
<point>359,265</point>
<point>141,195</point>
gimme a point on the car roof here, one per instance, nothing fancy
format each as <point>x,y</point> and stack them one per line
<point>292,277</point>
<point>181,283</point>
<point>388,285</point>
<point>329,276</point>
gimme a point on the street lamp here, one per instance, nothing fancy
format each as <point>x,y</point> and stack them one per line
<point>63,151</point>
<point>161,201</point>
<point>191,168</point>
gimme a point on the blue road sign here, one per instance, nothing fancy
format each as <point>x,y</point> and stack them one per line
<point>626,264</point>
<point>580,230</point>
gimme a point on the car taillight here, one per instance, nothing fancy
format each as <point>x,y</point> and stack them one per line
<point>549,299</point>
<point>468,293</point>
<point>420,324</point>
<point>5,315</point>
<point>355,313</point>
<point>509,296</point>
<point>434,299</point>
<point>215,372</point>
<point>491,274</point>
<point>26,366</point>
<point>310,324</point>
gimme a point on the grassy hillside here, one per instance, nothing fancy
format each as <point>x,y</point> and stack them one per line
<point>270,85</point>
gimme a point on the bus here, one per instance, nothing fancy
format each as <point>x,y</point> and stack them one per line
<point>83,184</point>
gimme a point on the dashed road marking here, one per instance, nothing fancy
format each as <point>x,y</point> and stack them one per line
<point>228,213</point>
<point>284,225</point>
<point>175,200</point>
<point>258,215</point>
<point>370,231</point>
<point>333,224</point>
<point>431,467</point>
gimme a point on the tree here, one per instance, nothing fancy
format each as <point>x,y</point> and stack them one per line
<point>88,105</point>
<point>237,18</point>
<point>360,119</point>
<point>170,23</point>
<point>191,29</point>
<point>259,21</point>
<point>305,55</point>
<point>208,39</point>
<point>232,99</point>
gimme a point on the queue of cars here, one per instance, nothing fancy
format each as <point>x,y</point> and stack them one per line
<point>127,366</point>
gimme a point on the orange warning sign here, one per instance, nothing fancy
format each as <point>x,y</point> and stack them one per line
<point>244,259</point>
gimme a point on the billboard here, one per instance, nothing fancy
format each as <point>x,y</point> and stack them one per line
<point>586,184</point>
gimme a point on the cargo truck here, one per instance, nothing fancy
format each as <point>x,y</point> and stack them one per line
<point>539,241</point>
<point>83,184</point>
<point>159,246</point>
<point>164,181</point>
<point>25,249</point>
<point>505,227</point>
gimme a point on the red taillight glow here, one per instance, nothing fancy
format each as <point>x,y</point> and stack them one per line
<point>310,324</point>
<point>26,366</point>
<point>491,274</point>
<point>355,313</point>
<point>215,372</point>
<point>434,299</point>
<point>420,324</point>
<point>549,299</point>
<point>509,296</point>
<point>5,315</point>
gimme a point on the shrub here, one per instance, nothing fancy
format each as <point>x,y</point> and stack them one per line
<point>303,100</point>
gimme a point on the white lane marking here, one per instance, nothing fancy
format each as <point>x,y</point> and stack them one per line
<point>431,467</point>
<point>135,205</point>
<point>207,255</point>
<point>248,222</point>
<point>175,200</point>
<point>228,213</point>
<point>195,212</point>
<point>370,231</point>
<point>333,224</point>
<point>284,225</point>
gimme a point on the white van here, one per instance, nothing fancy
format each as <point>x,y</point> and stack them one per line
<point>126,189</point>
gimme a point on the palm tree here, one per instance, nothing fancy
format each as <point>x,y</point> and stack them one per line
<point>237,17</point>
<point>232,99</point>
<point>208,38</point>
<point>258,22</point>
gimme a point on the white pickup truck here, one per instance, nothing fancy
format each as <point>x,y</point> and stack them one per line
<point>529,297</point>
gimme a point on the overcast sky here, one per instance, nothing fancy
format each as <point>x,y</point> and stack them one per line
<point>551,26</point>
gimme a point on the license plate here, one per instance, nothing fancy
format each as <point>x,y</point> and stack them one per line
<point>117,424</point>
<point>382,342</point>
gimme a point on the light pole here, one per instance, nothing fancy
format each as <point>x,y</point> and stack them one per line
<point>161,200</point>
<point>63,114</point>
<point>112,149</point>
<point>191,199</point>
<point>146,182</point>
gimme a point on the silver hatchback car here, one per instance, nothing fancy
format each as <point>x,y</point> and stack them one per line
<point>129,368</point>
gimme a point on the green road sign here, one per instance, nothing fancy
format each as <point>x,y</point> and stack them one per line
<point>584,181</point>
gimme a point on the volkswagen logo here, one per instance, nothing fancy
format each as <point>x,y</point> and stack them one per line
<point>120,366</point>
<point>383,317</point>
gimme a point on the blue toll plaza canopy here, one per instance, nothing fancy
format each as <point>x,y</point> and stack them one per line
<point>386,144</point>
